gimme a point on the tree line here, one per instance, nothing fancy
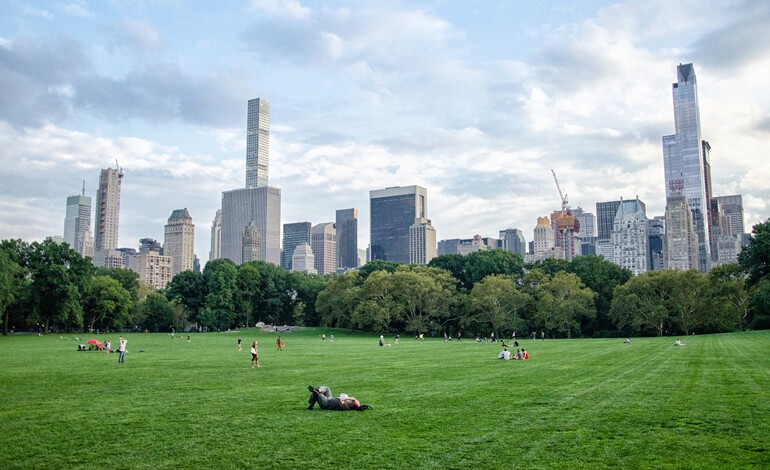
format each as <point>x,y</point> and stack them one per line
<point>48,287</point>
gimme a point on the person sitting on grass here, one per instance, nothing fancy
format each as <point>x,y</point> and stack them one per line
<point>504,355</point>
<point>678,342</point>
<point>323,396</point>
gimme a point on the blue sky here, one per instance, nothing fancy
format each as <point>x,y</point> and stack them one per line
<point>474,100</point>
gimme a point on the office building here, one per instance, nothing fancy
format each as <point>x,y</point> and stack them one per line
<point>250,244</point>
<point>730,217</point>
<point>392,213</point>
<point>77,225</point>
<point>586,223</point>
<point>106,221</point>
<point>324,246</point>
<point>422,242</point>
<point>656,232</point>
<point>605,219</point>
<point>242,206</point>
<point>303,260</point>
<point>257,142</point>
<point>347,238</point>
<point>294,235</point>
<point>179,241</point>
<point>216,236</point>
<point>681,247</point>
<point>147,245</point>
<point>512,239</point>
<point>686,161</point>
<point>630,237</point>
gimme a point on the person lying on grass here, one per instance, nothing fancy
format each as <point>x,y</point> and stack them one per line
<point>323,396</point>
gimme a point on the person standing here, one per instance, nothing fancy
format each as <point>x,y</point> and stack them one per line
<point>542,335</point>
<point>122,350</point>
<point>279,344</point>
<point>239,344</point>
<point>254,354</point>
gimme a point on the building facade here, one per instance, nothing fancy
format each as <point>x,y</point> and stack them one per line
<point>106,221</point>
<point>240,207</point>
<point>512,239</point>
<point>303,260</point>
<point>393,211</point>
<point>347,238</point>
<point>179,241</point>
<point>324,245</point>
<point>250,244</point>
<point>686,160</point>
<point>543,239</point>
<point>216,236</point>
<point>422,242</point>
<point>77,225</point>
<point>630,237</point>
<point>294,235</point>
<point>681,245</point>
<point>257,142</point>
<point>153,268</point>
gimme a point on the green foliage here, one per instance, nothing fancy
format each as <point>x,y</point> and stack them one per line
<point>190,291</point>
<point>755,259</point>
<point>498,306</point>
<point>158,313</point>
<point>601,276</point>
<point>220,279</point>
<point>562,303</point>
<point>106,304</point>
<point>377,265</point>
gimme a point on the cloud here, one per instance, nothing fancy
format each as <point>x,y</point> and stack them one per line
<point>137,36</point>
<point>740,42</point>
<point>77,8</point>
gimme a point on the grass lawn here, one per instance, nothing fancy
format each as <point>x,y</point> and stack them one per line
<point>574,404</point>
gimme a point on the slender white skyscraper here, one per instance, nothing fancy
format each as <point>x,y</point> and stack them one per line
<point>685,159</point>
<point>257,142</point>
<point>107,210</point>
<point>77,225</point>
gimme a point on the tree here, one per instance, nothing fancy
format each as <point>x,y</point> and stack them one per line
<point>11,283</point>
<point>249,293</point>
<point>106,303</point>
<point>127,278</point>
<point>305,291</point>
<point>220,278</point>
<point>158,313</point>
<point>562,302</point>
<point>481,264</point>
<point>497,305</point>
<point>642,302</point>
<point>729,303</point>
<point>337,302</point>
<point>601,276</point>
<point>455,265</point>
<point>58,275</point>
<point>377,265</point>
<point>190,291</point>
<point>755,259</point>
<point>687,301</point>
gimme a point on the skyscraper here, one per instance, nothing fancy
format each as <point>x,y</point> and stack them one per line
<point>324,246</point>
<point>542,238</point>
<point>512,239</point>
<point>250,245</point>
<point>239,208</point>
<point>347,238</point>
<point>257,142</point>
<point>257,202</point>
<point>681,245</point>
<point>730,215</point>
<point>686,160</point>
<point>630,237</point>
<point>422,242</point>
<point>77,225</point>
<point>179,241</point>
<point>216,236</point>
<point>107,210</point>
<point>294,235</point>
<point>605,218</point>
<point>393,211</point>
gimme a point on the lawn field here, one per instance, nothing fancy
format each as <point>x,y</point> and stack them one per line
<point>583,403</point>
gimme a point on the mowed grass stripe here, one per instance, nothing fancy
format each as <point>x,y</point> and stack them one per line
<point>575,404</point>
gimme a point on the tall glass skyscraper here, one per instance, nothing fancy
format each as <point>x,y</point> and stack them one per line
<point>257,142</point>
<point>393,211</point>
<point>685,159</point>
<point>347,238</point>
<point>294,235</point>
<point>77,225</point>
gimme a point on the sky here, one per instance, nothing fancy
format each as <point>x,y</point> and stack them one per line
<point>475,100</point>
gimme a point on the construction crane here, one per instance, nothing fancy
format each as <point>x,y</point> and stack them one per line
<point>564,203</point>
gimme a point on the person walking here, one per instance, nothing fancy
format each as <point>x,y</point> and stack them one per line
<point>122,350</point>
<point>254,354</point>
<point>239,344</point>
<point>279,344</point>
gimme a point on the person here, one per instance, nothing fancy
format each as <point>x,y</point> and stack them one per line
<point>542,335</point>
<point>107,345</point>
<point>122,350</point>
<point>279,344</point>
<point>382,340</point>
<point>239,344</point>
<point>628,340</point>
<point>524,354</point>
<point>678,342</point>
<point>493,337</point>
<point>254,354</point>
<point>504,355</point>
<point>517,356</point>
<point>188,338</point>
<point>515,343</point>
<point>422,337</point>
<point>323,396</point>
<point>331,338</point>
<point>534,335</point>
<point>396,338</point>
<point>323,337</point>
<point>459,336</point>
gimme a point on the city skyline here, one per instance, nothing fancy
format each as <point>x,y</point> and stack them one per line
<point>475,102</point>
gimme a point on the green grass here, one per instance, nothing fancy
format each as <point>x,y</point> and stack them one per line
<point>574,404</point>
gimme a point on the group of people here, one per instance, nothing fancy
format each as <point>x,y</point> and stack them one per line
<point>521,355</point>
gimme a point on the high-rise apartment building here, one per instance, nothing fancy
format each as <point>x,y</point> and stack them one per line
<point>324,245</point>
<point>257,142</point>
<point>422,242</point>
<point>179,241</point>
<point>630,237</point>
<point>347,238</point>
<point>147,245</point>
<point>587,223</point>
<point>686,160</point>
<point>681,245</point>
<point>257,202</point>
<point>294,235</point>
<point>512,239</point>
<point>77,225</point>
<point>107,210</point>
<point>730,215</point>
<point>392,213</point>
<point>242,206</point>
<point>153,268</point>
<point>543,239</point>
<point>216,236</point>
